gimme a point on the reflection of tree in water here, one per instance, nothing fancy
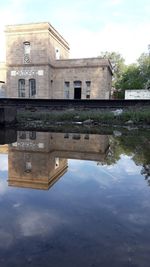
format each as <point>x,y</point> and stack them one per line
<point>146,172</point>
<point>136,145</point>
<point>114,152</point>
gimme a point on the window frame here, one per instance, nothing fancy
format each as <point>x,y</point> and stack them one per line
<point>21,88</point>
<point>32,87</point>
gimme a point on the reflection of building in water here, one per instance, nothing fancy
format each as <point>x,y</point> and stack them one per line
<point>38,159</point>
<point>79,146</point>
<point>7,136</point>
<point>3,149</point>
<point>31,163</point>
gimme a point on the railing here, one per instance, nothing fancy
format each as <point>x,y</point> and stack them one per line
<point>71,103</point>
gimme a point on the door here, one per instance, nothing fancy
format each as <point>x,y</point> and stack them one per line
<point>77,93</point>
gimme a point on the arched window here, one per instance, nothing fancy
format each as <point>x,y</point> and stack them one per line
<point>32,87</point>
<point>21,88</point>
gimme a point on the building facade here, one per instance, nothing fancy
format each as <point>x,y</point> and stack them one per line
<point>38,66</point>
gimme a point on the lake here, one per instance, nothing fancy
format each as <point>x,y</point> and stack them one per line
<point>74,200</point>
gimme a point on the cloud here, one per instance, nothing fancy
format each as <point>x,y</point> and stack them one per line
<point>115,2</point>
<point>34,223</point>
<point>137,218</point>
<point>130,42</point>
<point>3,187</point>
<point>6,239</point>
<point>3,162</point>
<point>113,27</point>
<point>12,14</point>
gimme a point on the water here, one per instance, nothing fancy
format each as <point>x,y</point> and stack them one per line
<point>70,200</point>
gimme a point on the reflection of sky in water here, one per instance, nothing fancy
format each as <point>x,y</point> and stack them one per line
<point>93,216</point>
<point>3,162</point>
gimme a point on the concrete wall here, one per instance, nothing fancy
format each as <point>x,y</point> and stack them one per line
<point>137,94</point>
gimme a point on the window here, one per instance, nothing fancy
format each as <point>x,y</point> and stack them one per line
<point>56,163</point>
<point>28,166</point>
<point>26,52</point>
<point>21,88</point>
<point>32,135</point>
<point>32,87</point>
<point>66,91</point>
<point>66,135</point>
<point>57,52</point>
<point>88,89</point>
<point>86,136</point>
<point>77,84</point>
<point>28,162</point>
<point>22,135</point>
<point>76,136</point>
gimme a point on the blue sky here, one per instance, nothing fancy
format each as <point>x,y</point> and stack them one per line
<point>90,26</point>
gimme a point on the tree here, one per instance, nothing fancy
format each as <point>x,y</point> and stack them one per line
<point>144,67</point>
<point>117,62</point>
<point>131,79</point>
<point>118,65</point>
<point>134,76</point>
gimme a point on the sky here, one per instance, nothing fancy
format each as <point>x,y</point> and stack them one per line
<point>89,26</point>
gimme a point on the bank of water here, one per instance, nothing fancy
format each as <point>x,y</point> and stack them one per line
<point>139,117</point>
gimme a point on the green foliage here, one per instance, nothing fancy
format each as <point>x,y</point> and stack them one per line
<point>136,146</point>
<point>131,79</point>
<point>144,67</point>
<point>135,76</point>
<point>128,77</point>
<point>102,117</point>
<point>118,64</point>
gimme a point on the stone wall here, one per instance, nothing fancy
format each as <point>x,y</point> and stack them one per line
<point>43,39</point>
<point>3,71</point>
<point>97,71</point>
<point>42,75</point>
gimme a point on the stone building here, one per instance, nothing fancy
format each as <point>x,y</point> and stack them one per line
<point>38,66</point>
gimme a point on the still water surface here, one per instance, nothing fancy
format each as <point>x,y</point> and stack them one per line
<point>69,200</point>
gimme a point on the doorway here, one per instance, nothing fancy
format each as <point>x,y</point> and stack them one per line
<point>77,93</point>
<point>77,89</point>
